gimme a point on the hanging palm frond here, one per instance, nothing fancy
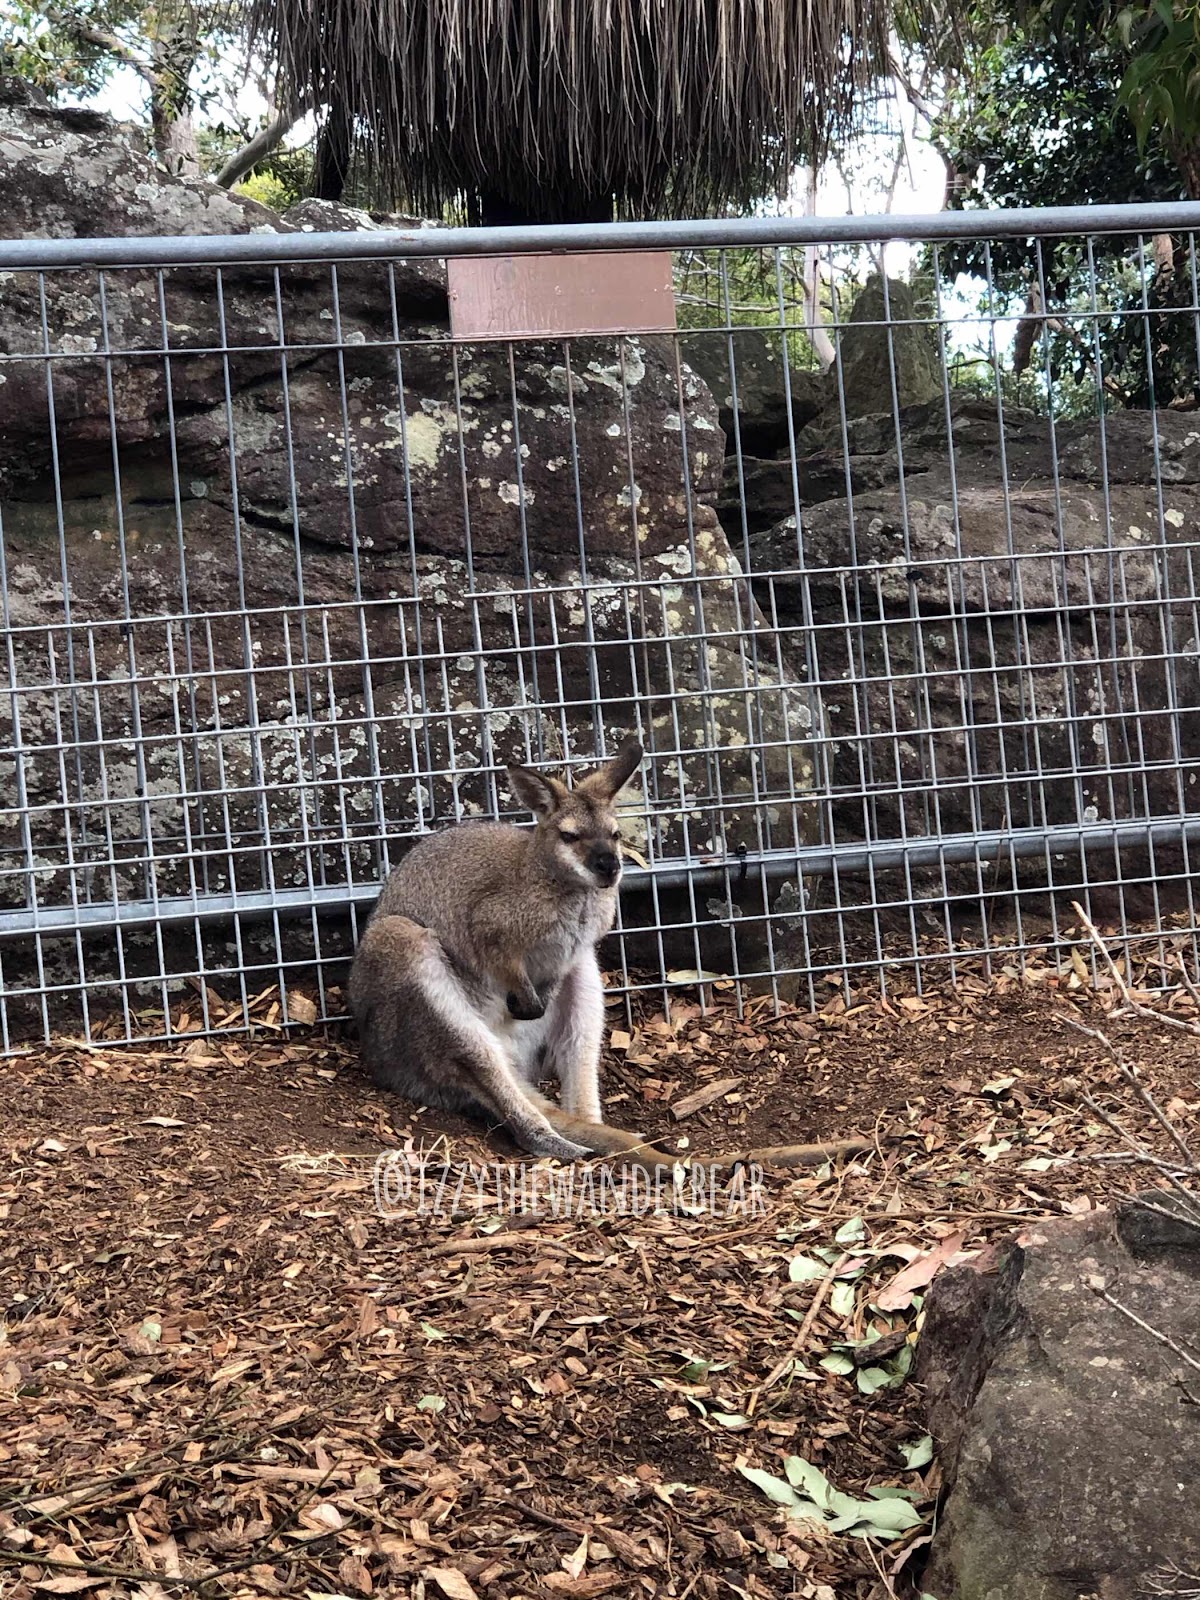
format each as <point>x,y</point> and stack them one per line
<point>560,107</point>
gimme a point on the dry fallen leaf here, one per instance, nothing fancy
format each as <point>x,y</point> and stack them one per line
<point>451,1582</point>
<point>577,1560</point>
<point>899,1290</point>
<point>323,1515</point>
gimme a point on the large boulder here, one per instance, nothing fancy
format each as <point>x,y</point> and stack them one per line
<point>1066,1429</point>
<point>1001,628</point>
<point>887,353</point>
<point>761,406</point>
<point>70,173</point>
<point>447,556</point>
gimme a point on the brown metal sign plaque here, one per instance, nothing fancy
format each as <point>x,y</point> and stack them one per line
<point>553,296</point>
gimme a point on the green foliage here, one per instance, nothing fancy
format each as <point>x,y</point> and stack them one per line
<point>280,179</point>
<point>267,190</point>
<point>1038,125</point>
<point>185,52</point>
<point>46,53</point>
<point>1161,87</point>
<point>918,1454</point>
<point>1139,65</point>
<point>756,288</point>
<point>74,47</point>
<point>1040,118</point>
<point>808,1496</point>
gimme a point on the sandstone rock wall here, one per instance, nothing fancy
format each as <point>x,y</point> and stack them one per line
<point>1019,625</point>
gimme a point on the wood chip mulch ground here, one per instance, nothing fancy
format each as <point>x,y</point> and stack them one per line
<point>223,1372</point>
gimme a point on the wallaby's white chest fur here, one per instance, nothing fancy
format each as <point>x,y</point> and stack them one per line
<point>579,927</point>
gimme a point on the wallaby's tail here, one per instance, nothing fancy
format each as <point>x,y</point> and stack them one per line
<point>601,1140</point>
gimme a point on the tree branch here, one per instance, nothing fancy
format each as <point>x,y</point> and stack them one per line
<point>811,287</point>
<point>102,39</point>
<point>914,93</point>
<point>263,142</point>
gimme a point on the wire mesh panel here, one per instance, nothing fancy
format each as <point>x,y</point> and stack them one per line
<point>889,557</point>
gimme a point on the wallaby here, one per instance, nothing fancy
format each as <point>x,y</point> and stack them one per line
<point>477,972</point>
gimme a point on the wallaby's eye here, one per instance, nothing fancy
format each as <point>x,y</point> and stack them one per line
<point>567,836</point>
<point>616,836</point>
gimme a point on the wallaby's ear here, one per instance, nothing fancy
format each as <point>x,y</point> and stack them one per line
<point>541,794</point>
<point>611,779</point>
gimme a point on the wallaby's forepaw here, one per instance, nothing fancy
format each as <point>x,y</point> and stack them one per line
<point>525,1007</point>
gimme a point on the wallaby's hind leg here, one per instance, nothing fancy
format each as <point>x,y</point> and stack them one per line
<point>574,1035</point>
<point>405,1046</point>
<point>422,1035</point>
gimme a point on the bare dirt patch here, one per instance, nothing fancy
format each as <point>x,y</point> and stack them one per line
<point>219,1361</point>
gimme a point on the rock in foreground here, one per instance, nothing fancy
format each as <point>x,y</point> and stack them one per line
<point>1069,1436</point>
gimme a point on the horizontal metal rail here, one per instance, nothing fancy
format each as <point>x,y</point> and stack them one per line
<point>811,861</point>
<point>731,232</point>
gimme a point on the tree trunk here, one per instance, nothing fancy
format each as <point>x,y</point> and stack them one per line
<point>255,150</point>
<point>331,166</point>
<point>493,209</point>
<point>174,136</point>
<point>813,281</point>
<point>173,54</point>
<point>1187,157</point>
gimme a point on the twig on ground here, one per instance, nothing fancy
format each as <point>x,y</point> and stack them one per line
<point>260,1550</point>
<point>781,1367</point>
<point>1143,1204</point>
<point>1188,981</point>
<point>199,1581</point>
<point>577,1529</point>
<point>1123,988</point>
<point>1146,1327</point>
<point>1130,1075</point>
<point>36,1502</point>
<point>1173,1583</point>
<point>789,1155</point>
<point>1171,1171</point>
<point>781,1156</point>
<point>93,1569</point>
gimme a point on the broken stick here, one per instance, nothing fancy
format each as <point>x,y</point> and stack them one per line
<point>776,1155</point>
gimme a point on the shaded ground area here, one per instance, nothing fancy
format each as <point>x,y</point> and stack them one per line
<point>219,1359</point>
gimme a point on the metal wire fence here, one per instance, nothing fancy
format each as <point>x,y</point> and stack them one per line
<point>289,572</point>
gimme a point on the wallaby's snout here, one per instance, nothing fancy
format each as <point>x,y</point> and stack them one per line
<point>604,865</point>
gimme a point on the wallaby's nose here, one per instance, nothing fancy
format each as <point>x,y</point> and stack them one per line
<point>605,864</point>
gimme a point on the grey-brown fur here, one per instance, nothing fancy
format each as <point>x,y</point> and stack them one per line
<point>477,971</point>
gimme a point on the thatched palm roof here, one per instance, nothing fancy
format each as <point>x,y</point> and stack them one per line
<point>671,106</point>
